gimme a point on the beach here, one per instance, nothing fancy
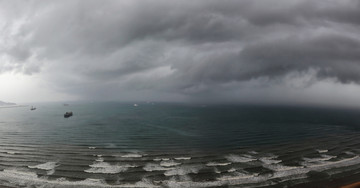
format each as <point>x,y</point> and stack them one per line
<point>354,185</point>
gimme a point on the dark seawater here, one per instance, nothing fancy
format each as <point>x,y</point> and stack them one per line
<point>176,145</point>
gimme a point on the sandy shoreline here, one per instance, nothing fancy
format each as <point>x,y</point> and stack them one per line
<point>351,181</point>
<point>354,185</point>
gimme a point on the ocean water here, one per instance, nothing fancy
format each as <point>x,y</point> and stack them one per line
<point>177,145</point>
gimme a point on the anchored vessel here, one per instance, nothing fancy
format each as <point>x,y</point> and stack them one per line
<point>68,114</point>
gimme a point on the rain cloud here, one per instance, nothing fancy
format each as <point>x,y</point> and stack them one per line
<point>178,50</point>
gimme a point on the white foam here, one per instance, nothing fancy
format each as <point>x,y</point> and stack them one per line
<point>238,176</point>
<point>349,153</point>
<point>182,158</point>
<point>155,167</point>
<point>270,160</point>
<point>232,170</point>
<point>182,170</point>
<point>322,150</point>
<point>169,163</point>
<point>190,184</point>
<point>217,164</point>
<point>288,172</point>
<point>183,178</point>
<point>61,179</point>
<point>323,158</point>
<point>92,147</point>
<point>106,168</point>
<point>331,164</point>
<point>281,171</point>
<point>11,152</point>
<point>20,174</point>
<point>161,159</point>
<point>45,166</point>
<point>30,179</point>
<point>93,181</point>
<point>217,171</point>
<point>144,183</point>
<point>248,156</point>
<point>132,155</point>
<point>279,167</point>
<point>285,171</point>
<point>100,159</point>
<point>239,159</point>
<point>291,172</point>
<point>327,157</point>
<point>50,172</point>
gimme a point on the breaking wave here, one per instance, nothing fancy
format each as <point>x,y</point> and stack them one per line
<point>45,166</point>
<point>240,159</point>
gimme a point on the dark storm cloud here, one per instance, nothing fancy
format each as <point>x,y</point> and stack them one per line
<point>179,46</point>
<point>332,55</point>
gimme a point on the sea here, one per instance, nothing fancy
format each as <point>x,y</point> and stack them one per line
<point>113,144</point>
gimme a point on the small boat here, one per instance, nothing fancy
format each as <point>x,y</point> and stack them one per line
<point>65,104</point>
<point>68,114</point>
<point>135,105</point>
<point>32,108</point>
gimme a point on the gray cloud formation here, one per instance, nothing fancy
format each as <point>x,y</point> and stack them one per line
<point>110,48</point>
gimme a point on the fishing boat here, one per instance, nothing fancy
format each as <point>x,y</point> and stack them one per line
<point>32,108</point>
<point>68,114</point>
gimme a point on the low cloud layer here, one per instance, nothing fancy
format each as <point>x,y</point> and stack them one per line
<point>182,50</point>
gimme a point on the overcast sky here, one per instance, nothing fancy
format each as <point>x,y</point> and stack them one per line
<point>231,51</point>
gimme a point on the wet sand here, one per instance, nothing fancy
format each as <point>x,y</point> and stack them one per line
<point>354,185</point>
<point>344,182</point>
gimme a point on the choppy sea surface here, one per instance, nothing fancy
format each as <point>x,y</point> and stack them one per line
<point>176,145</point>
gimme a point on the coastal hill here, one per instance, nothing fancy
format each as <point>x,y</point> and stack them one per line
<point>6,103</point>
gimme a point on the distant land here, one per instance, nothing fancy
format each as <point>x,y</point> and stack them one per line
<point>6,103</point>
